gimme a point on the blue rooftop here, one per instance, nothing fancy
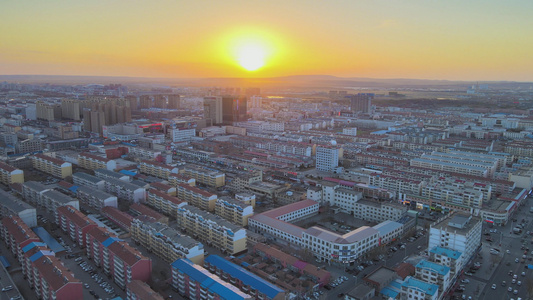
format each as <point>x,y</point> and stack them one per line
<point>247,278</point>
<point>389,293</point>
<point>109,241</point>
<point>420,286</point>
<point>446,252</point>
<point>48,239</point>
<point>129,173</point>
<point>387,227</point>
<point>208,280</point>
<point>436,268</point>
<point>31,245</point>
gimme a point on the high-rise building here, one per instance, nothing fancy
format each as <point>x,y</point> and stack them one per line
<point>361,102</point>
<point>70,109</point>
<point>173,101</point>
<point>145,101</point>
<point>213,109</point>
<point>327,158</point>
<point>160,101</point>
<point>47,112</point>
<point>234,109</point>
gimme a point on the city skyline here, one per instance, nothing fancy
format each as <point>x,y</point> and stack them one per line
<point>478,40</point>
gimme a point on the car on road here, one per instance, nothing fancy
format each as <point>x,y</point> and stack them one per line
<point>514,281</point>
<point>519,283</point>
<point>7,288</point>
<point>515,292</point>
<point>465,280</point>
<point>510,289</point>
<point>523,273</point>
<point>504,283</point>
<point>468,274</point>
<point>493,286</point>
<point>516,260</point>
<point>515,276</point>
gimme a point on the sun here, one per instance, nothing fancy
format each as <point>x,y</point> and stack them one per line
<point>251,56</point>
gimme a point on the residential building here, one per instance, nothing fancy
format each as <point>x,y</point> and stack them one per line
<point>376,211</point>
<point>122,219</point>
<point>74,223</point>
<point>212,229</point>
<point>361,102</point>
<point>32,192</point>
<point>457,232</point>
<point>327,158</point>
<point>205,176</point>
<point>96,198</point>
<point>157,169</point>
<point>51,200</point>
<point>91,161</point>
<point>213,109</point>
<point>125,190</point>
<point>139,210</point>
<point>165,188</point>
<point>176,179</point>
<point>197,197</point>
<point>182,134</point>
<point>434,273</point>
<point>415,289</point>
<point>447,257</point>
<point>389,231</point>
<point>11,205</point>
<point>9,174</point>
<point>118,260</point>
<point>53,166</point>
<point>105,174</point>
<point>90,181</point>
<point>17,235</point>
<point>166,242</point>
<point>235,211</point>
<point>53,280</point>
<point>138,290</point>
<point>234,109</point>
<point>163,202</point>
<point>248,282</point>
<point>194,282</point>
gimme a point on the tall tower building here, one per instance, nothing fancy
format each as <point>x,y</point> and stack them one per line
<point>361,102</point>
<point>70,109</point>
<point>145,101</point>
<point>327,158</point>
<point>160,101</point>
<point>234,109</point>
<point>213,109</point>
<point>173,102</point>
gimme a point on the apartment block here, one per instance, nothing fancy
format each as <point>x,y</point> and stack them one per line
<point>235,211</point>
<point>246,281</point>
<point>11,205</point>
<point>118,260</point>
<point>163,202</point>
<point>90,181</point>
<point>138,290</point>
<point>32,191</point>
<point>53,166</point>
<point>52,280</point>
<point>122,219</point>
<point>415,289</point>
<point>376,211</point>
<point>75,224</point>
<point>166,242</point>
<point>398,185</point>
<point>157,169</point>
<point>434,273</point>
<point>9,174</point>
<point>447,257</point>
<point>205,176</point>
<point>459,232</point>
<point>17,235</point>
<point>197,197</point>
<point>96,198</point>
<point>194,282</point>
<point>327,158</point>
<point>91,161</point>
<point>125,190</point>
<point>456,166</point>
<point>165,188</point>
<point>143,153</point>
<point>52,200</point>
<point>212,229</point>
<point>389,231</point>
<point>176,179</point>
<point>105,174</point>
<point>140,210</point>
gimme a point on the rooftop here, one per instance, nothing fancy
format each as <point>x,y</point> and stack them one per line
<point>434,267</point>
<point>12,203</point>
<point>87,177</point>
<point>446,252</point>
<point>143,291</point>
<point>420,286</point>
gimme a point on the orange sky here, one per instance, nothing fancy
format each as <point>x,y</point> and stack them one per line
<point>477,40</point>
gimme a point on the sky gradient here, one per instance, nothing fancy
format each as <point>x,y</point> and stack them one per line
<point>426,39</point>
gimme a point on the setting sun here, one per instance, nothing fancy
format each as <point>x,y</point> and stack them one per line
<point>251,57</point>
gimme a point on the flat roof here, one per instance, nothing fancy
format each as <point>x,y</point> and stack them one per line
<point>436,268</point>
<point>48,239</point>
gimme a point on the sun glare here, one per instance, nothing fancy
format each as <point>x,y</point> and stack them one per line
<point>251,56</point>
